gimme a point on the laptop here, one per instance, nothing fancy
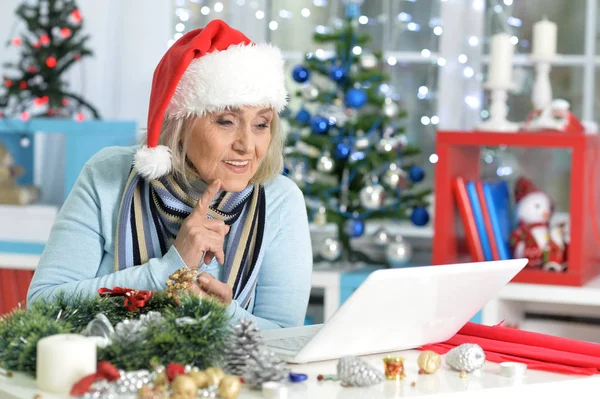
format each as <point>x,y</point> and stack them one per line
<point>398,309</point>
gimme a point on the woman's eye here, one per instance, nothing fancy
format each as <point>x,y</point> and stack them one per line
<point>224,122</point>
<point>263,126</point>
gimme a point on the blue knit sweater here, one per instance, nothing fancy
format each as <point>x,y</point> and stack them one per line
<point>78,257</point>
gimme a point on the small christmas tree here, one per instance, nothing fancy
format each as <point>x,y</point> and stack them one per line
<point>347,148</point>
<point>244,342</point>
<point>51,44</point>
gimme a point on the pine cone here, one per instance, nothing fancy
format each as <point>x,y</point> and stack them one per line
<point>358,373</point>
<point>245,341</point>
<point>263,367</point>
<point>466,357</point>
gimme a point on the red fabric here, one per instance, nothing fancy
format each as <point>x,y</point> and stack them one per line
<point>104,371</point>
<point>217,35</point>
<point>538,351</point>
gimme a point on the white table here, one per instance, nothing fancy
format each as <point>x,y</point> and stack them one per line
<point>445,383</point>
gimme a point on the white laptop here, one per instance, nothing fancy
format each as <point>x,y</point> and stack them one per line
<point>398,309</point>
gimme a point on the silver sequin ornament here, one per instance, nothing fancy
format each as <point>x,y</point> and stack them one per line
<point>466,357</point>
<point>398,252</point>
<point>372,196</point>
<point>381,237</point>
<point>331,249</point>
<point>325,163</point>
<point>356,372</point>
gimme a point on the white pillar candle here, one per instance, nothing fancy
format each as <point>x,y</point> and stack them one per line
<point>62,360</point>
<point>544,39</point>
<point>500,70</point>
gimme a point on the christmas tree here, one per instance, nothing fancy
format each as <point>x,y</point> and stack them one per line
<point>347,148</point>
<point>50,45</point>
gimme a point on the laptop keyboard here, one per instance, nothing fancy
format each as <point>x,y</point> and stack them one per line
<point>293,344</point>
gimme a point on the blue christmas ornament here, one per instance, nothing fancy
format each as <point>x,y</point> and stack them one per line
<point>354,227</point>
<point>319,125</point>
<point>419,216</point>
<point>416,173</point>
<point>300,74</point>
<point>337,73</point>
<point>355,98</point>
<point>342,150</point>
<point>303,116</point>
<point>297,377</point>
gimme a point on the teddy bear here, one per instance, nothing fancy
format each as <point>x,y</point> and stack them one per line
<point>10,192</point>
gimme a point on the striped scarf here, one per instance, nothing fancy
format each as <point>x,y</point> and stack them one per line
<point>151,214</point>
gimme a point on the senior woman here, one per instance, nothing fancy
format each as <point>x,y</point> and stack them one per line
<point>205,191</point>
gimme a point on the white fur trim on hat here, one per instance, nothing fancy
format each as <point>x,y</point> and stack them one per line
<point>152,163</point>
<point>251,75</point>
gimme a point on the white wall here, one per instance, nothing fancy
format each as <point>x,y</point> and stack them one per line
<point>128,38</point>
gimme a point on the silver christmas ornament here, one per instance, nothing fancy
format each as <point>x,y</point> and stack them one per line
<point>320,217</point>
<point>398,252</point>
<point>466,357</point>
<point>298,174</point>
<point>325,163</point>
<point>129,330</point>
<point>331,249</point>
<point>310,93</point>
<point>385,145</point>
<point>244,341</point>
<point>394,177</point>
<point>372,196</point>
<point>355,372</point>
<point>263,367</point>
<point>391,109</point>
<point>381,237</point>
<point>100,329</point>
<point>368,61</point>
<point>361,143</point>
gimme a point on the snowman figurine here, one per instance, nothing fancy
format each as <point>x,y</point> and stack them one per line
<point>534,238</point>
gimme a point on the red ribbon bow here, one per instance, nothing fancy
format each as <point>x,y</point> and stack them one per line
<point>134,299</point>
<point>105,371</point>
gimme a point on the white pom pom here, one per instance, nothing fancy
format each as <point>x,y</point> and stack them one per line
<point>152,163</point>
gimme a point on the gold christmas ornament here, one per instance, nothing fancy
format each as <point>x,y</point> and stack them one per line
<point>215,375</point>
<point>161,379</point>
<point>184,387</point>
<point>230,387</point>
<point>145,392</point>
<point>179,281</point>
<point>200,378</point>
<point>429,362</point>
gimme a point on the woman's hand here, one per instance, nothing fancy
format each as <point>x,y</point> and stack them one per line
<point>201,238</point>
<point>211,286</point>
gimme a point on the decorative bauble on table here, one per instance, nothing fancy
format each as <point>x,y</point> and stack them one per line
<point>381,237</point>
<point>355,372</point>
<point>429,362</point>
<point>466,357</point>
<point>394,177</point>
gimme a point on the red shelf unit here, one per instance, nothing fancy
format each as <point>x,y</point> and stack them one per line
<point>459,155</point>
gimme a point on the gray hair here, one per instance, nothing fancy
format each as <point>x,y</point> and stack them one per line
<point>175,134</point>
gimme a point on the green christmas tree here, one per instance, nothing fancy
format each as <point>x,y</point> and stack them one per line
<point>347,148</point>
<point>51,43</point>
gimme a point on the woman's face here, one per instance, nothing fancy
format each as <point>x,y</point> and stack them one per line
<point>230,145</point>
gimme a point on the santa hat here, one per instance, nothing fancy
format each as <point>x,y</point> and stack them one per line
<point>208,70</point>
<point>524,187</point>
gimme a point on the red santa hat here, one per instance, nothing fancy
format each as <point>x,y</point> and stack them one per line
<point>208,70</point>
<point>523,187</point>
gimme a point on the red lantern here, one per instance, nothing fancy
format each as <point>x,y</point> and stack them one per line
<point>16,41</point>
<point>65,32</point>
<point>76,15</point>
<point>51,62</point>
<point>25,115</point>
<point>45,40</point>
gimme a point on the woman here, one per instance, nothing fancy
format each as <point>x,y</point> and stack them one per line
<point>205,192</point>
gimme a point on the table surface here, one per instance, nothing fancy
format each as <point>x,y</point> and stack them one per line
<point>445,383</point>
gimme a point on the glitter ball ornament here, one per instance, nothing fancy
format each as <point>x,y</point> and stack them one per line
<point>428,362</point>
<point>385,145</point>
<point>419,216</point>
<point>244,341</point>
<point>264,367</point>
<point>372,196</point>
<point>368,61</point>
<point>356,372</point>
<point>398,252</point>
<point>300,74</point>
<point>310,93</point>
<point>337,74</point>
<point>230,387</point>
<point>331,249</point>
<point>391,109</point>
<point>381,237</point>
<point>303,116</point>
<point>466,357</point>
<point>355,98</point>
<point>319,125</point>
<point>393,177</point>
<point>325,163</point>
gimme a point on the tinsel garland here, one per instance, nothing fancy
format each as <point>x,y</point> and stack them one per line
<point>199,340</point>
